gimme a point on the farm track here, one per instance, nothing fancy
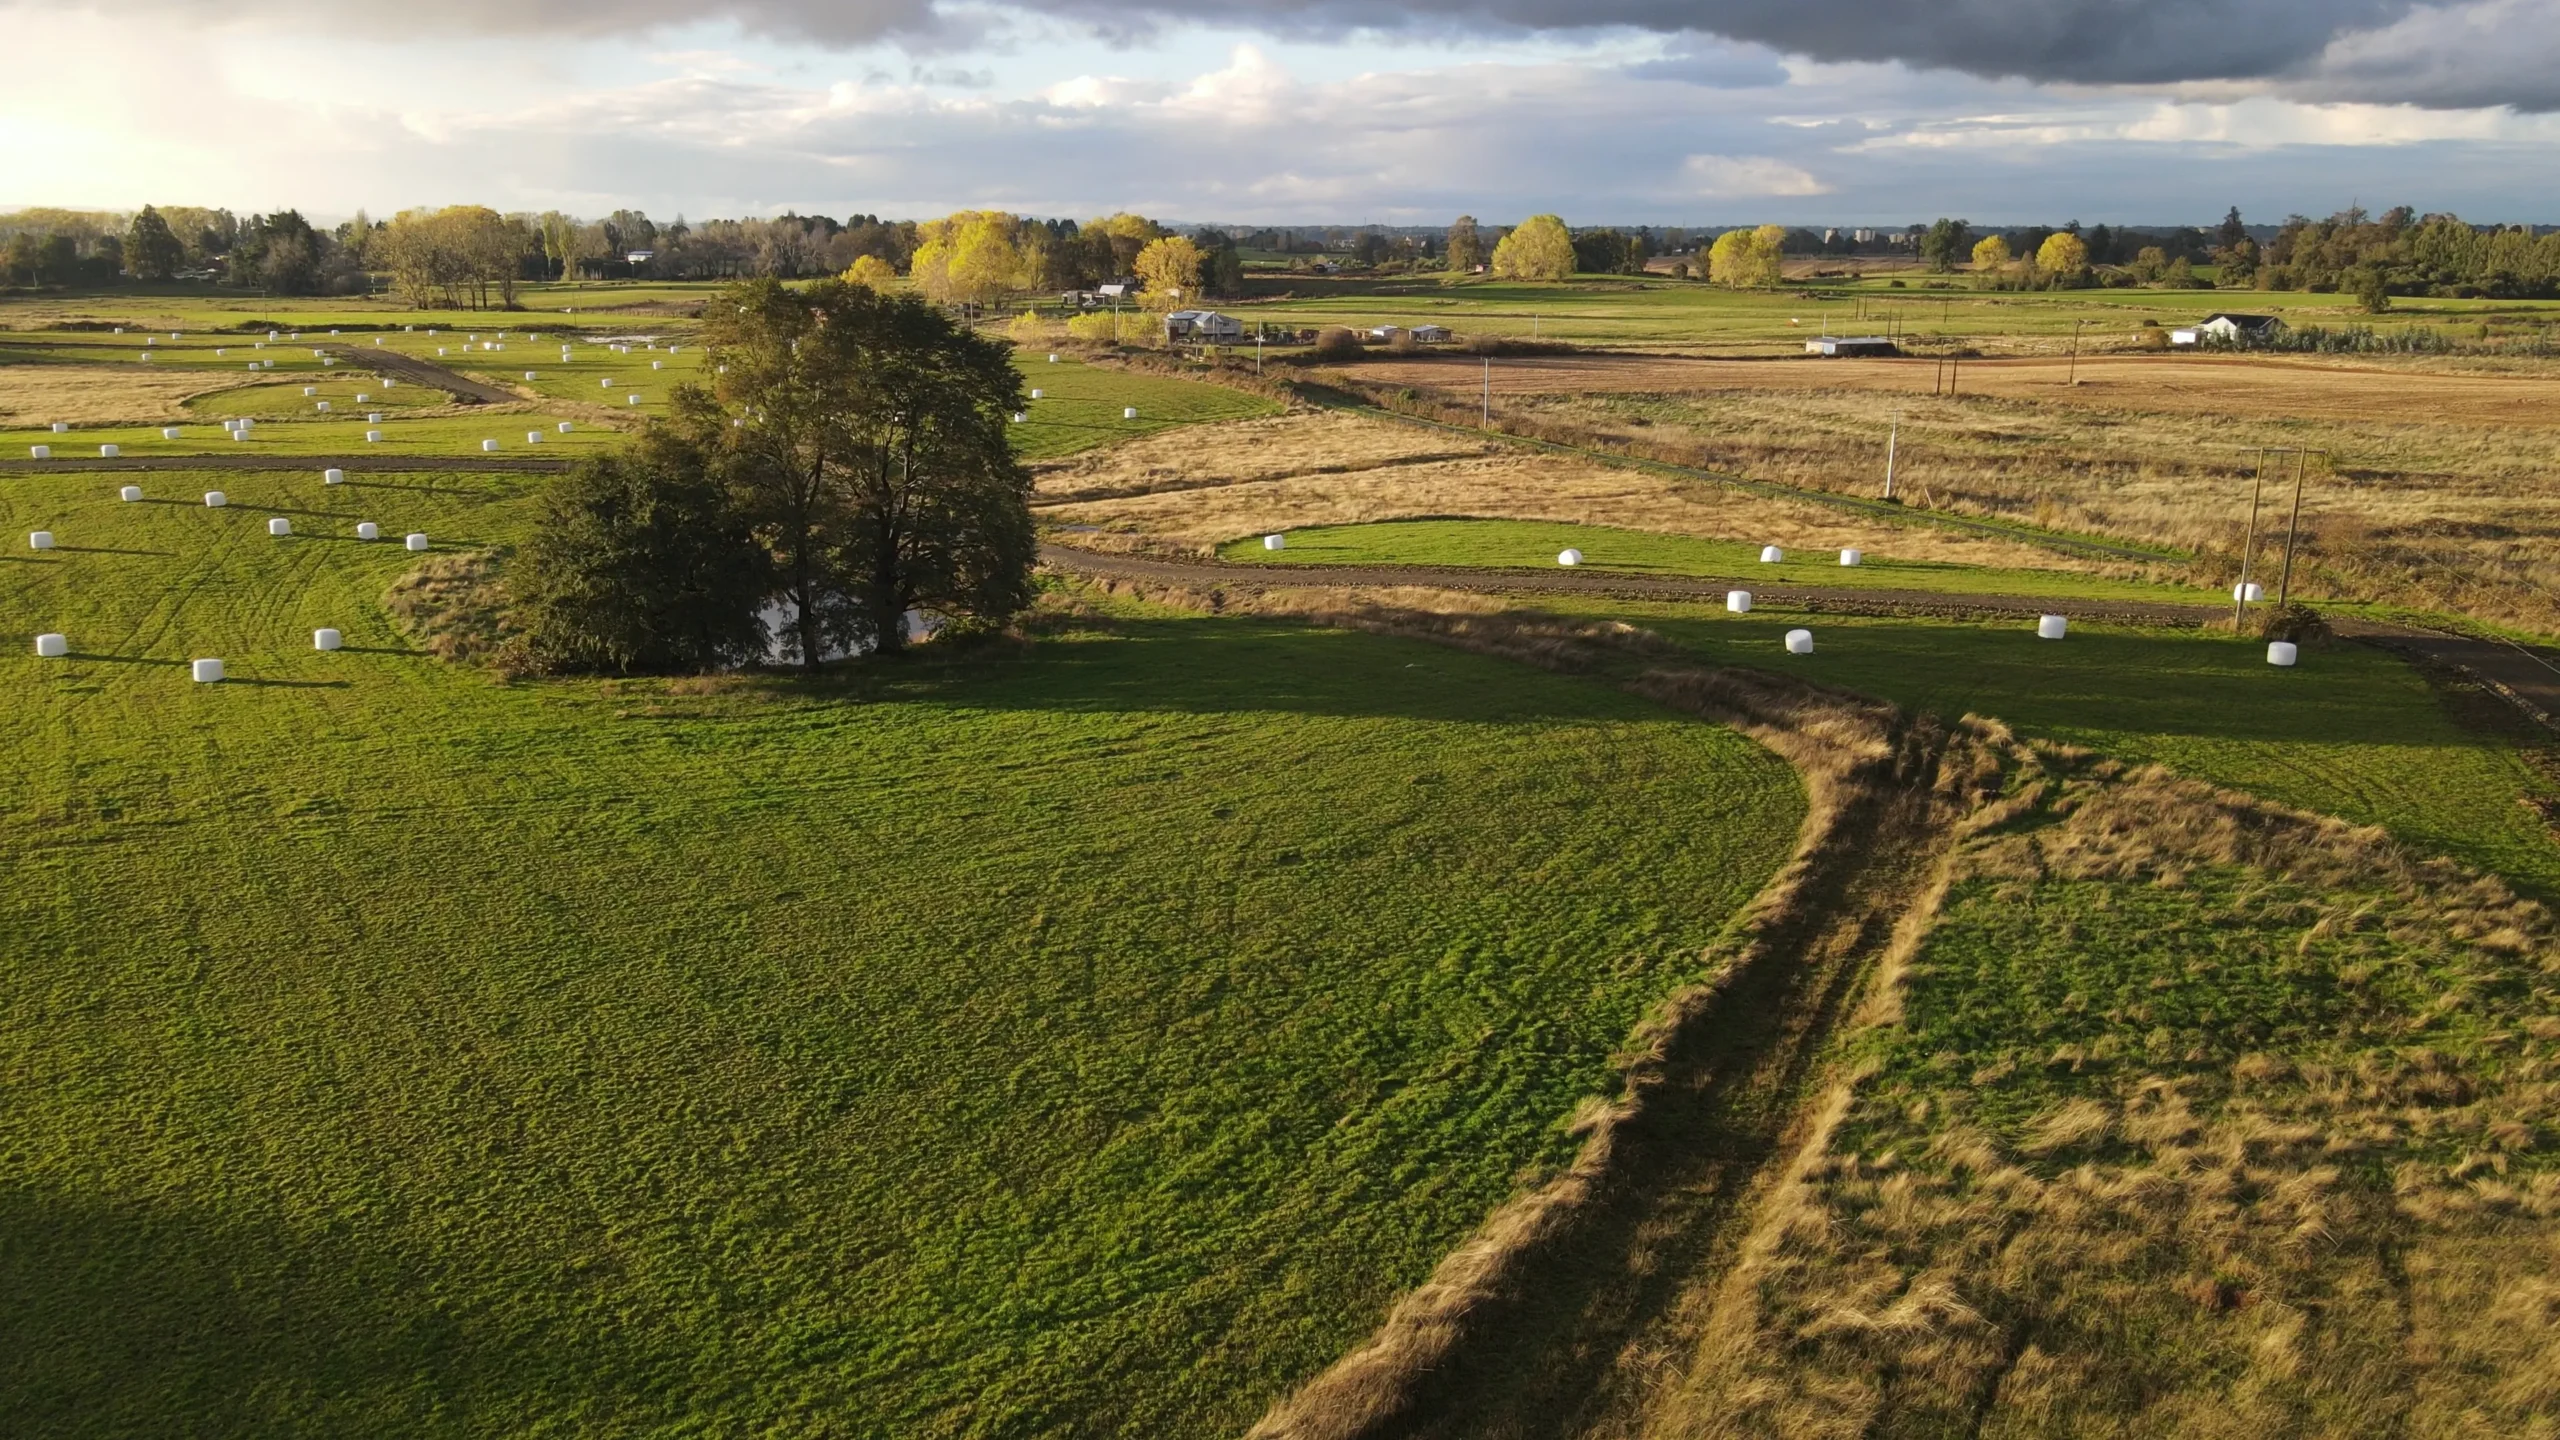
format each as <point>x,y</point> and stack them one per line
<point>1537,1328</point>
<point>2528,677</point>
<point>463,389</point>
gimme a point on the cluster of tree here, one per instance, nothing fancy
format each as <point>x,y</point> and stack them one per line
<point>1748,259</point>
<point>1610,252</point>
<point>977,257</point>
<point>2402,253</point>
<point>462,255</point>
<point>851,463</point>
<point>1541,248</point>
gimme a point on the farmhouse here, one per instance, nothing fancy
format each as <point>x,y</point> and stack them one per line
<point>1839,345</point>
<point>1431,334</point>
<point>1206,325</point>
<point>2227,328</point>
<point>1385,333</point>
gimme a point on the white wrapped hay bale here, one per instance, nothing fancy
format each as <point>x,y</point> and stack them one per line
<point>631,399</point>
<point>2282,652</point>
<point>39,452</point>
<point>60,428</point>
<point>533,437</point>
<point>1053,359</point>
<point>215,499</point>
<point>487,446</point>
<point>129,494</point>
<point>1738,601</point>
<point>109,452</point>
<point>373,417</point>
<point>364,399</point>
<point>657,364</point>
<point>1799,642</point>
<point>52,645</point>
<point>417,540</point>
<point>1130,413</point>
<point>564,427</point>
<point>39,539</point>
<point>206,672</point>
<point>170,432</point>
<point>325,638</point>
<point>1035,394</point>
<point>605,383</point>
<point>1568,558</point>
<point>278,525</point>
<point>528,375</point>
<point>1020,418</point>
<point>310,390</point>
<point>1771,555</point>
<point>2249,593</point>
<point>373,437</point>
<point>2052,627</point>
<point>323,407</point>
<point>367,530</point>
<point>239,434</point>
<point>1275,542</point>
<point>333,476</point>
<point>1853,557</point>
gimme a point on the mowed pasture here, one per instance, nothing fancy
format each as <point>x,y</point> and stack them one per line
<point>1086,1036</point>
<point>1524,545</point>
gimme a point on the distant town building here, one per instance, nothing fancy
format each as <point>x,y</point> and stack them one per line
<point>2229,328</point>
<point>640,257</point>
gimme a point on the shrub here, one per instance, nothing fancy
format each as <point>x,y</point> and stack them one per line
<point>1099,328</point>
<point>1336,343</point>
<point>641,564</point>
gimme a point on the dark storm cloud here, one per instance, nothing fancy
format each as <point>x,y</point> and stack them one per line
<point>2440,53</point>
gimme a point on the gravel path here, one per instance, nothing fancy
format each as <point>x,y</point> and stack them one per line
<point>462,388</point>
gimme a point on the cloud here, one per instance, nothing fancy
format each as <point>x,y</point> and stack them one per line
<point>1732,176</point>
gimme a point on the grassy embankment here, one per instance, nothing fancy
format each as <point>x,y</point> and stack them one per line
<point>1089,1037</point>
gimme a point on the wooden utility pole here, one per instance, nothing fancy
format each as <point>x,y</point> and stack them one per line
<point>1488,392</point>
<point>2248,542</point>
<point>1892,442</point>
<point>2284,582</point>
<point>2073,376</point>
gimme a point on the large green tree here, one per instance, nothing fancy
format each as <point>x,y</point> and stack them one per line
<point>151,250</point>
<point>1466,245</point>
<point>1946,243</point>
<point>866,437</point>
<point>1541,249</point>
<point>642,564</point>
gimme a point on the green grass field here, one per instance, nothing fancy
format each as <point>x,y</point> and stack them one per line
<point>1080,405</point>
<point>2351,731</point>
<point>1085,1037</point>
<point>1526,544</point>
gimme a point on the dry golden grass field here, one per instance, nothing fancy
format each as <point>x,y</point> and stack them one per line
<point>2427,487</point>
<point>1191,490</point>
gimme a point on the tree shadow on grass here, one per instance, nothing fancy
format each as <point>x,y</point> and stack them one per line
<point>141,1318</point>
<point>124,659</point>
<point>286,684</point>
<point>355,484</point>
<point>1226,665</point>
<point>113,550</point>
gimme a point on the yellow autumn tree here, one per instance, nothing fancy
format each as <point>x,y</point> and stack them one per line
<point>1748,259</point>
<point>1991,253</point>
<point>871,270</point>
<point>968,258</point>
<point>2062,253</point>
<point>1540,249</point>
<point>1170,269</point>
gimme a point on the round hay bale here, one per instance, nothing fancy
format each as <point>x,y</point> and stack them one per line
<point>278,525</point>
<point>1853,557</point>
<point>52,645</point>
<point>325,638</point>
<point>1771,555</point>
<point>1738,601</point>
<point>1799,642</point>
<point>39,539</point>
<point>129,494</point>
<point>215,499</point>
<point>206,672</point>
<point>2283,652</point>
<point>1568,558</point>
<point>417,540</point>
<point>1275,542</point>
<point>367,530</point>
<point>334,475</point>
<point>2052,627</point>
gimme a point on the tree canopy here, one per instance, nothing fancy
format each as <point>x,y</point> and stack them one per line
<point>865,438</point>
<point>1170,269</point>
<point>1466,245</point>
<point>2062,253</point>
<point>641,565</point>
<point>152,251</point>
<point>1748,259</point>
<point>1991,252</point>
<point>969,258</point>
<point>1541,249</point>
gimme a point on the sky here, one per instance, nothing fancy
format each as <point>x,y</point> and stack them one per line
<point>1662,112</point>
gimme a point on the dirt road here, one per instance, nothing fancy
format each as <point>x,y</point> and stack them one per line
<point>464,389</point>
